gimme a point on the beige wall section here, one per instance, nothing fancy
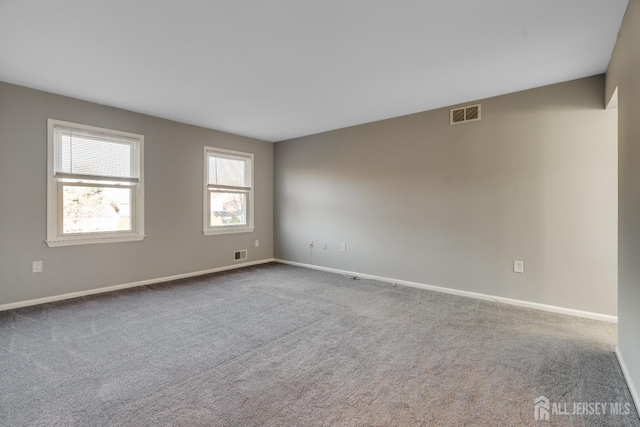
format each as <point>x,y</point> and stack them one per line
<point>417,199</point>
<point>624,73</point>
<point>173,201</point>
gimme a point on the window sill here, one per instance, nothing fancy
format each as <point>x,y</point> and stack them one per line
<point>228,230</point>
<point>84,240</point>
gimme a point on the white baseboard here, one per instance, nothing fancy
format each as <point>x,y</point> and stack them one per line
<point>44,300</point>
<point>520,303</point>
<point>528,304</point>
<point>632,388</point>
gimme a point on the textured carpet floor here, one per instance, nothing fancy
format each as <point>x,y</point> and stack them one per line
<point>277,345</point>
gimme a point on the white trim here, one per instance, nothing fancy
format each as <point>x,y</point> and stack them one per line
<point>55,236</point>
<point>229,230</point>
<point>84,240</point>
<point>19,304</point>
<point>207,229</point>
<point>520,303</point>
<point>625,372</point>
<point>560,310</point>
<point>486,297</point>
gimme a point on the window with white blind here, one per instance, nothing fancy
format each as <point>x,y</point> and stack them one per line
<point>95,190</point>
<point>228,191</point>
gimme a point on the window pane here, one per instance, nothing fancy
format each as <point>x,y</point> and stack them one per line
<point>228,171</point>
<point>92,154</point>
<point>228,209</point>
<point>95,209</point>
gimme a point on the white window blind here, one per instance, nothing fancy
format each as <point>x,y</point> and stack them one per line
<point>78,152</point>
<point>227,171</point>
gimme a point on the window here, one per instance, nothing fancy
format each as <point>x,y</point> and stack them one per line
<point>228,191</point>
<point>95,185</point>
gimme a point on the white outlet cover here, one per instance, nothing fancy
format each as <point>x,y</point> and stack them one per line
<point>343,247</point>
<point>518,266</point>
<point>257,243</point>
<point>36,267</point>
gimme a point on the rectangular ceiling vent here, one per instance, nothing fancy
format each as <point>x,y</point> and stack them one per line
<point>240,255</point>
<point>470,113</point>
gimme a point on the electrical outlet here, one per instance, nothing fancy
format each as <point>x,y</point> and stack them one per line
<point>36,267</point>
<point>311,244</point>
<point>324,245</point>
<point>257,243</point>
<point>518,266</point>
<point>343,247</point>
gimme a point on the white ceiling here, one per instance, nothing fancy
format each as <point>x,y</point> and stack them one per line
<point>280,69</point>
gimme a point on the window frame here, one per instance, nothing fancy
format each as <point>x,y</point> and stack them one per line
<point>55,184</point>
<point>209,230</point>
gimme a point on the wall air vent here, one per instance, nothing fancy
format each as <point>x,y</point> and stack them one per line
<point>470,113</point>
<point>240,255</point>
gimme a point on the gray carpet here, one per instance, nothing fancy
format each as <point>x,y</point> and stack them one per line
<point>277,345</point>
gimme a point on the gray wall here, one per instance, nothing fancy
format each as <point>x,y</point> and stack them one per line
<point>624,73</point>
<point>417,199</point>
<point>173,201</point>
